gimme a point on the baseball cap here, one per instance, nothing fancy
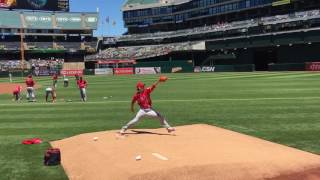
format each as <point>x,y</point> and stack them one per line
<point>140,85</point>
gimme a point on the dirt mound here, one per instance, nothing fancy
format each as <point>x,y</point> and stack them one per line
<point>199,152</point>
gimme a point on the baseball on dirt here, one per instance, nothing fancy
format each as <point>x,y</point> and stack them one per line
<point>95,138</point>
<point>138,158</point>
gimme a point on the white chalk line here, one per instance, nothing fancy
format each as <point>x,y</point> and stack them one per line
<point>168,100</point>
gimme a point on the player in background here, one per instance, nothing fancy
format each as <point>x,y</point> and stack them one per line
<point>82,84</point>
<point>65,81</point>
<point>17,93</point>
<point>30,89</point>
<point>142,97</point>
<point>77,76</point>
<point>55,80</point>
<point>51,91</point>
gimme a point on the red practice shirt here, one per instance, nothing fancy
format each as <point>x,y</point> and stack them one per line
<point>55,77</point>
<point>30,82</point>
<point>17,90</point>
<point>143,98</point>
<point>82,84</point>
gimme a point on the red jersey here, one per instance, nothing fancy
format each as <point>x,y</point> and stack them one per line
<point>143,98</point>
<point>30,82</point>
<point>55,77</point>
<point>17,90</point>
<point>82,84</point>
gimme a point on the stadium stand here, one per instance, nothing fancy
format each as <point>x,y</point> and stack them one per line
<point>241,26</point>
<point>237,35</point>
<point>46,34</point>
<point>143,52</point>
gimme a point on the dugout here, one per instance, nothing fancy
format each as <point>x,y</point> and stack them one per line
<point>287,51</point>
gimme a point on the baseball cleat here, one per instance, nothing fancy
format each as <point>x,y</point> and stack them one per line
<point>122,131</point>
<point>170,129</point>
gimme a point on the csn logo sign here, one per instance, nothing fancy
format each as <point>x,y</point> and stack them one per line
<point>198,69</point>
<point>207,69</point>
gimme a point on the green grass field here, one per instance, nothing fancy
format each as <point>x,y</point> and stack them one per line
<point>280,107</point>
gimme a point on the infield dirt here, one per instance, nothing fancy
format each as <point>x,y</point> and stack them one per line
<point>7,88</point>
<point>194,152</point>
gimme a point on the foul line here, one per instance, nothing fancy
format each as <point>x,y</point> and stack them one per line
<point>167,100</point>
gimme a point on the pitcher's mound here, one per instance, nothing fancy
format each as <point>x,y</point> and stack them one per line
<point>197,152</point>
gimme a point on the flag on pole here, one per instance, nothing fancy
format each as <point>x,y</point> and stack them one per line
<point>107,19</point>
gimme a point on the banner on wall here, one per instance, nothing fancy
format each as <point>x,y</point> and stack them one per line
<point>123,71</point>
<point>45,72</point>
<point>313,66</point>
<point>71,72</point>
<point>103,71</point>
<point>176,69</point>
<point>148,70</point>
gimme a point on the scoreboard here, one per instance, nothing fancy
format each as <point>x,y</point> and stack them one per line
<point>45,5</point>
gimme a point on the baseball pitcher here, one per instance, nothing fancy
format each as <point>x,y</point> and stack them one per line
<point>142,97</point>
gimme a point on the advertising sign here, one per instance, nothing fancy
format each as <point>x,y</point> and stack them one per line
<point>148,70</point>
<point>7,3</point>
<point>71,72</point>
<point>313,66</point>
<point>198,69</point>
<point>48,5</point>
<point>45,72</point>
<point>123,71</point>
<point>176,69</point>
<point>109,40</point>
<point>207,69</point>
<point>103,71</point>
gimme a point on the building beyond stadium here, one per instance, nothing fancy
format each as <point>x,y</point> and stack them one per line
<point>231,35</point>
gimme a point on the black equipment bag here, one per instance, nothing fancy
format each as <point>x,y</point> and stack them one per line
<point>52,157</point>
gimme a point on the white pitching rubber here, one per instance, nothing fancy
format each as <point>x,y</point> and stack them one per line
<point>159,156</point>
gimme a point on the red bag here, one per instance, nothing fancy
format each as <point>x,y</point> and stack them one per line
<point>52,157</point>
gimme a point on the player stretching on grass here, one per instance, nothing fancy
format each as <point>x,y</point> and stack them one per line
<point>142,97</point>
<point>51,91</point>
<point>82,84</point>
<point>16,93</point>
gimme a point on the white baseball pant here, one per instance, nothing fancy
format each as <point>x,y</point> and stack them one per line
<point>147,113</point>
<point>30,93</point>
<point>83,94</point>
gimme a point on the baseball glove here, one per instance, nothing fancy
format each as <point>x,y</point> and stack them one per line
<point>163,79</point>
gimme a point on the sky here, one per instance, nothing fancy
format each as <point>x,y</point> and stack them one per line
<point>107,8</point>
